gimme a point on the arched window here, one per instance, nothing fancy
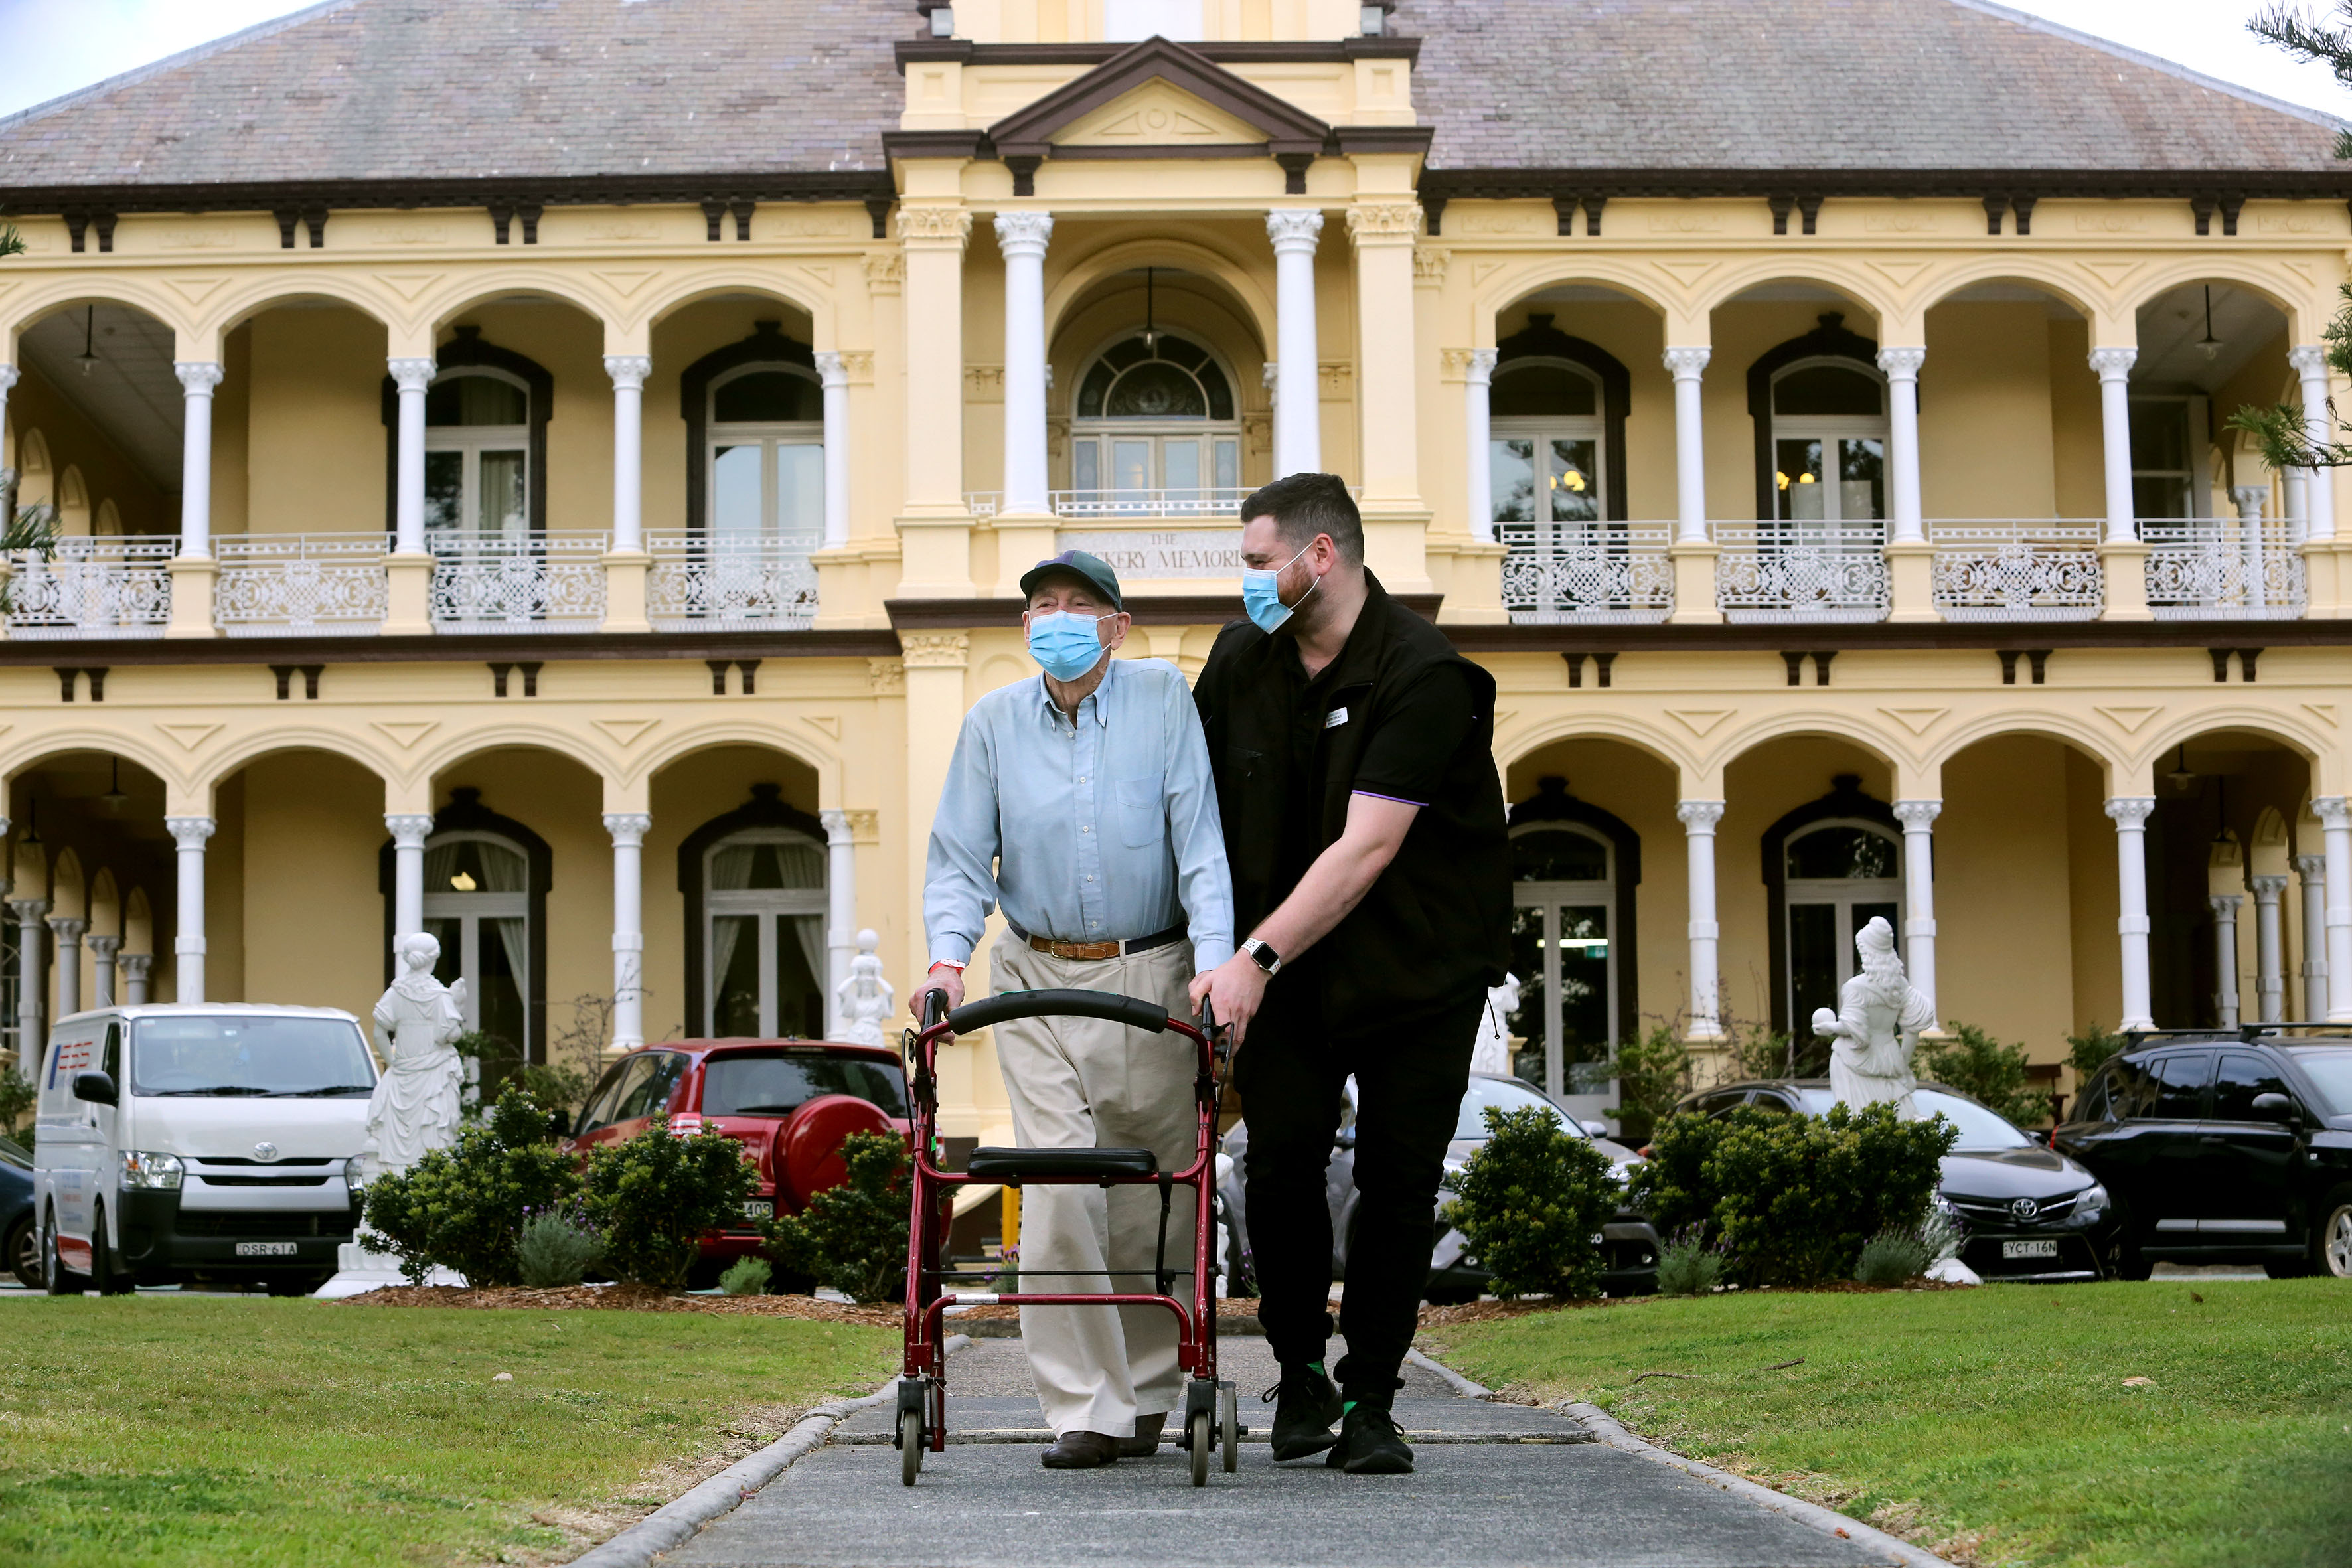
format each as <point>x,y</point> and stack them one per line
<point>1546,443</point>
<point>765,449</point>
<point>1829,867</point>
<point>477,471</point>
<point>1829,443</point>
<point>478,906</point>
<point>1574,869</point>
<point>1156,412</point>
<point>763,912</point>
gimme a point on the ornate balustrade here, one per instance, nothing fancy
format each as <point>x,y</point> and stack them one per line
<point>521,583</point>
<point>108,587</point>
<point>2223,569</point>
<point>701,582</point>
<point>1801,572</point>
<point>299,584</point>
<point>2017,570</point>
<point>1565,573</point>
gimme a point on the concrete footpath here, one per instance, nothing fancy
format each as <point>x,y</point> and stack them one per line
<point>1495,1484</point>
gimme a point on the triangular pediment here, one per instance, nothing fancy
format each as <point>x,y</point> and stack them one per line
<point>1160,78</point>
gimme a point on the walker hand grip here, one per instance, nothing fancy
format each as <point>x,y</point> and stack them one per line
<point>935,1005</point>
<point>1105,1004</point>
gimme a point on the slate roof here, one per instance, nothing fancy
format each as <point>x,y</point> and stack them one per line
<point>420,90</point>
<point>1823,84</point>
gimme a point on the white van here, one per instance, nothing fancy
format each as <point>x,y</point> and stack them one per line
<point>199,1142</point>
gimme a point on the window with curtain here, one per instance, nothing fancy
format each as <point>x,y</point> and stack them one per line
<point>478,906</point>
<point>763,937</point>
<point>1564,910</point>
<point>766,441</point>
<point>1156,413</point>
<point>1839,873</point>
<point>477,453</point>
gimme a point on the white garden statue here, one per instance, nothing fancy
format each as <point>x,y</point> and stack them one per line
<point>863,998</point>
<point>1492,1052</point>
<point>416,1103</point>
<point>1877,1026</point>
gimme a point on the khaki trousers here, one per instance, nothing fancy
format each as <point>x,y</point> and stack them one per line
<point>1085,1083</point>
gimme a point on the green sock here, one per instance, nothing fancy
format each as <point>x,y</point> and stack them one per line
<point>1319,1368</point>
<point>1346,1405</point>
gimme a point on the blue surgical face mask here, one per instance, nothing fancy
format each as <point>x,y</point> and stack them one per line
<point>1261,599</point>
<point>1066,646</point>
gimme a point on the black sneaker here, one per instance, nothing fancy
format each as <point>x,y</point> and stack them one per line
<point>1370,1444</point>
<point>1302,1419</point>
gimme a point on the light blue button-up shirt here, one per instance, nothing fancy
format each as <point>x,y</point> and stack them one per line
<point>1101,830</point>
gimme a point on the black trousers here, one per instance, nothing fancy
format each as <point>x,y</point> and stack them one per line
<point>1409,1087</point>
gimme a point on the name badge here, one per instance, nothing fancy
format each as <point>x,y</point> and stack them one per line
<point>1334,719</point>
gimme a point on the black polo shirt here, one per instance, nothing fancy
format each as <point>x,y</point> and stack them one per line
<point>1397,714</point>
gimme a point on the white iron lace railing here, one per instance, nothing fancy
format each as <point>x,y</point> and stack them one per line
<point>115,587</point>
<point>702,582</point>
<point>1566,573</point>
<point>299,584</point>
<point>2223,569</point>
<point>1801,571</point>
<point>521,583</point>
<point>2017,570</point>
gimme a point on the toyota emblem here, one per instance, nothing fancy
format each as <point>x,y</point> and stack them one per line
<point>265,1152</point>
<point>2024,1208</point>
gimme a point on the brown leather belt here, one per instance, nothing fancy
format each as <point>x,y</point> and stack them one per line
<point>1099,949</point>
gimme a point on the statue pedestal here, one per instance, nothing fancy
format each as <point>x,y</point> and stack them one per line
<point>359,1268</point>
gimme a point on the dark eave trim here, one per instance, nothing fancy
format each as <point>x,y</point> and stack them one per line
<point>906,145</point>
<point>1514,184</point>
<point>963,51</point>
<point>349,196</point>
<point>83,652</point>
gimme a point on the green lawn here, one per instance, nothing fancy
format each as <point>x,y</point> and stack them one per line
<point>248,1431</point>
<point>1992,1423</point>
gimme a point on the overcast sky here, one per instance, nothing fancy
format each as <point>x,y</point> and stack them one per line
<point>52,47</point>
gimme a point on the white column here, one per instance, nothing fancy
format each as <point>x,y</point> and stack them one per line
<point>628,829</point>
<point>136,967</point>
<point>408,834</point>
<point>2335,814</point>
<point>2310,364</point>
<point>2114,368</point>
<point>2270,949</point>
<point>840,911</point>
<point>2294,509</point>
<point>102,948</point>
<point>835,378</point>
<point>67,929</point>
<point>32,982</point>
<point>1690,443</point>
<point>188,947</point>
<point>198,377</point>
<point>1699,817</point>
<point>1918,820</point>
<point>2249,500</point>
<point>1022,236</point>
<point>1902,368</point>
<point>410,377</point>
<point>2225,955</point>
<point>2131,814</point>
<point>1298,400</point>
<point>1477,389</point>
<point>2311,871</point>
<point>628,373</point>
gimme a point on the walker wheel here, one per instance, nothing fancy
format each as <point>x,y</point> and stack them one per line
<point>1198,1431</point>
<point>1228,1403</point>
<point>910,1445</point>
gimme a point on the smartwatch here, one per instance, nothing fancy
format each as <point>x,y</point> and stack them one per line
<point>1264,957</point>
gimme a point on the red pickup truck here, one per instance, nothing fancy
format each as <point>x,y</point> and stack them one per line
<point>789,1102</point>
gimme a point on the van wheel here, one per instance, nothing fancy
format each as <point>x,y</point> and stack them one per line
<point>101,1262</point>
<point>55,1278</point>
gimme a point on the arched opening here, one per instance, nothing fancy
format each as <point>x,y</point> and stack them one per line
<point>486,416</point>
<point>1557,413</point>
<point>2231,814</point>
<point>754,414</point>
<point>1155,415</point>
<point>1574,868</point>
<point>1838,863</point>
<point>754,881</point>
<point>1819,404</point>
<point>487,877</point>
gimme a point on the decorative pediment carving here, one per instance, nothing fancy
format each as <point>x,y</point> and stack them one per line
<point>1159,113</point>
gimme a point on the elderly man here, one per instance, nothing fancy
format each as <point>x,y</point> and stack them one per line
<point>1081,802</point>
<point>1364,819</point>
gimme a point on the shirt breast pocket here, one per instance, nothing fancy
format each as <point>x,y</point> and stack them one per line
<point>1142,810</point>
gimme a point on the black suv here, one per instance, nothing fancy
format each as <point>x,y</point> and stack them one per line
<point>2224,1148</point>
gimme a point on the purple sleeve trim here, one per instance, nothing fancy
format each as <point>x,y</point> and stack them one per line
<point>1398,798</point>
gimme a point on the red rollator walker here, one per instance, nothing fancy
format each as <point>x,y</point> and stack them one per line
<point>1212,1414</point>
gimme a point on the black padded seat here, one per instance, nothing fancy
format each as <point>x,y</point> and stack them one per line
<point>1012,1164</point>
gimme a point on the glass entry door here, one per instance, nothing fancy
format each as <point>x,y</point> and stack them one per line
<point>1565,902</point>
<point>764,903</point>
<point>1840,876</point>
<point>478,906</point>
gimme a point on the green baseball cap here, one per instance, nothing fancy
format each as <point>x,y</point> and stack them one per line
<point>1093,568</point>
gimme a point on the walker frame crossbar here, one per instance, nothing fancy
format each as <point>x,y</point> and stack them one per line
<point>922,1386</point>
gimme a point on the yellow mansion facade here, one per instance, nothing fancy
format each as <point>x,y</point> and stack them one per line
<point>556,475</point>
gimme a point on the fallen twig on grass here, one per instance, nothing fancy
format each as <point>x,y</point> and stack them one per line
<point>1686,1376</point>
<point>1778,1365</point>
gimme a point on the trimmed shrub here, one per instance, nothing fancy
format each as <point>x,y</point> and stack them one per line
<point>1792,1199</point>
<point>464,1207</point>
<point>557,1248</point>
<point>1687,1266</point>
<point>1653,1072</point>
<point>1890,1258</point>
<point>1984,1069</point>
<point>1530,1204</point>
<point>853,1236</point>
<point>656,1196</point>
<point>747,1276</point>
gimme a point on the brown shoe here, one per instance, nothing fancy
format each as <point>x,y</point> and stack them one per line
<point>1081,1451</point>
<point>1145,1441</point>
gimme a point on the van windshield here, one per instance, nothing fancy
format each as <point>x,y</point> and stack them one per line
<point>257,1055</point>
<point>738,1084</point>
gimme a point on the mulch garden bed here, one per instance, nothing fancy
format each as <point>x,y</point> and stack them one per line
<point>626,1299</point>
